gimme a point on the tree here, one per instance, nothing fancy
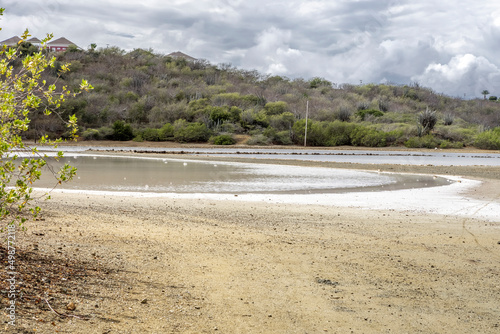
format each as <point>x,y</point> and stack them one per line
<point>122,131</point>
<point>485,92</point>
<point>21,91</point>
<point>276,108</point>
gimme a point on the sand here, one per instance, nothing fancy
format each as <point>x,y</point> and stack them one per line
<point>240,265</point>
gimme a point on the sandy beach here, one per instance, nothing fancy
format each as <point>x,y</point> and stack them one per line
<point>215,265</point>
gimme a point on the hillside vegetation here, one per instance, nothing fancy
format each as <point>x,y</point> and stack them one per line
<point>145,96</point>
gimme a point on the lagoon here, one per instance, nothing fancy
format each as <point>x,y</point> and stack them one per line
<point>159,175</point>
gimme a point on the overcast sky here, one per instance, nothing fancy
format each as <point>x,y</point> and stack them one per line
<point>450,46</point>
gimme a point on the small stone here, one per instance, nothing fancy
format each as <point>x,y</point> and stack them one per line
<point>144,301</point>
<point>71,306</point>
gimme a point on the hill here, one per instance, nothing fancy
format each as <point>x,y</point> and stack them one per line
<point>141,95</point>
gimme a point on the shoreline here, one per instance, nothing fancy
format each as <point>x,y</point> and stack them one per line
<point>168,144</point>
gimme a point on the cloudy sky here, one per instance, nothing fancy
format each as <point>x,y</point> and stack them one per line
<point>450,46</point>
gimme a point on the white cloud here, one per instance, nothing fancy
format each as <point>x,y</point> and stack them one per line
<point>463,74</point>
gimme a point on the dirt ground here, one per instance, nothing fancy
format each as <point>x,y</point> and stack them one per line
<point>160,265</point>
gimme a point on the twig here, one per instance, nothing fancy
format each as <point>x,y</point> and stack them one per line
<point>63,314</point>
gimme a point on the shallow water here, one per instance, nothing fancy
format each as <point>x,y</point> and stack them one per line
<point>437,157</point>
<point>141,174</point>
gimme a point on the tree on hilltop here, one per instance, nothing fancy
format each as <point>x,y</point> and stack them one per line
<point>485,92</point>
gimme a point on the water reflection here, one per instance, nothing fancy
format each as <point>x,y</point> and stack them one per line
<point>114,173</point>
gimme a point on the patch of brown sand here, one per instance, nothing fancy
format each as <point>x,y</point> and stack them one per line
<point>201,266</point>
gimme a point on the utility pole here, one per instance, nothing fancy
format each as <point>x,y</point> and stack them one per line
<point>307,114</point>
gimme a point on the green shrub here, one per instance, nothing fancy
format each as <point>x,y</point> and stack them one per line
<point>395,137</point>
<point>319,82</point>
<point>106,132</point>
<point>278,137</point>
<point>282,121</point>
<point>151,134</point>
<point>218,114</point>
<point>427,141</point>
<point>316,133</point>
<point>223,140</point>
<point>276,108</point>
<point>166,132</point>
<point>185,132</point>
<point>138,139</point>
<point>122,131</point>
<point>362,113</point>
<point>448,144</point>
<point>339,133</point>
<point>454,133</point>
<point>91,134</point>
<point>488,140</point>
<point>283,138</point>
<point>363,136</point>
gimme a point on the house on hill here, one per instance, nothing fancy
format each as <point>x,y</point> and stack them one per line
<point>13,41</point>
<point>35,41</point>
<point>60,44</point>
<point>179,54</point>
